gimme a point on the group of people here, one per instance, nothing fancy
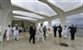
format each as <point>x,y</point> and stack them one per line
<point>12,30</point>
<point>38,33</point>
<point>59,28</point>
<point>65,30</point>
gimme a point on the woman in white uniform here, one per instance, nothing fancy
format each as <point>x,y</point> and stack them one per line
<point>65,31</point>
<point>16,32</point>
<point>40,33</point>
<point>8,32</point>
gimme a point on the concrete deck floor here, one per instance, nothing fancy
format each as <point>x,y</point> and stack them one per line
<point>50,44</point>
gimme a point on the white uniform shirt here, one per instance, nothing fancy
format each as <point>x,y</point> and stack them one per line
<point>9,30</point>
<point>15,30</point>
<point>41,30</point>
<point>65,32</point>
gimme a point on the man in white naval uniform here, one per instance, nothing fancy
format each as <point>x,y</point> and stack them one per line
<point>8,32</point>
<point>16,32</point>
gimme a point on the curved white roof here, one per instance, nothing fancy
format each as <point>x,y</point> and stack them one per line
<point>44,9</point>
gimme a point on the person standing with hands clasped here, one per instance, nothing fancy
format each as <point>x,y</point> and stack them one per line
<point>32,32</point>
<point>73,30</point>
<point>60,31</point>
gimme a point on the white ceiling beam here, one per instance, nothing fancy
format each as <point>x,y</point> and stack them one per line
<point>56,9</point>
<point>18,8</point>
<point>24,16</point>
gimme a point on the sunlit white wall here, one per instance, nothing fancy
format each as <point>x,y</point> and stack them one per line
<point>46,24</point>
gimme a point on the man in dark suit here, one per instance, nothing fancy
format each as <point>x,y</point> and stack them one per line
<point>55,30</point>
<point>44,30</point>
<point>73,30</point>
<point>60,31</point>
<point>32,32</point>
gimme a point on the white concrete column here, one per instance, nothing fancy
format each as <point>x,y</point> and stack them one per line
<point>9,18</point>
<point>49,23</point>
<point>5,20</point>
<point>0,25</point>
<point>63,21</point>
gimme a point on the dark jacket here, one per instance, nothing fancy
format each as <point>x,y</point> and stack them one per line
<point>32,30</point>
<point>60,28</point>
<point>54,28</point>
<point>44,29</point>
<point>72,29</point>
